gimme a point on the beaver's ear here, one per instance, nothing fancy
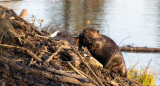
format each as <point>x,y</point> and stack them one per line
<point>84,30</point>
<point>97,31</point>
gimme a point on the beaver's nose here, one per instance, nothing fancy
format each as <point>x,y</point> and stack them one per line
<point>86,31</point>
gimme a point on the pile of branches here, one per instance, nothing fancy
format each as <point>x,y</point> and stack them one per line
<point>30,57</point>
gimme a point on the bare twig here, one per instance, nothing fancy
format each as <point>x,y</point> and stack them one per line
<point>43,52</point>
<point>1,37</point>
<point>75,69</point>
<point>31,62</point>
<point>147,66</point>
<point>44,37</point>
<point>22,49</point>
<point>58,50</point>
<point>88,66</point>
<point>81,73</point>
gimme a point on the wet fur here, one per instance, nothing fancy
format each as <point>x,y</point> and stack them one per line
<point>104,49</point>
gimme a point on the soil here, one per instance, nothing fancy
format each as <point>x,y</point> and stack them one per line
<point>28,56</point>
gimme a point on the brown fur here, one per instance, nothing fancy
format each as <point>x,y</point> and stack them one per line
<point>104,49</point>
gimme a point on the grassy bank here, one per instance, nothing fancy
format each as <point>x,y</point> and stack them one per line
<point>145,75</point>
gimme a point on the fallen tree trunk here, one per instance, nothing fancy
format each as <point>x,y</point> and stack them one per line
<point>140,49</point>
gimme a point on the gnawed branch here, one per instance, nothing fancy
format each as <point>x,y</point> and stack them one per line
<point>140,49</point>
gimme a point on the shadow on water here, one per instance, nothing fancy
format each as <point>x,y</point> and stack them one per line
<point>80,14</point>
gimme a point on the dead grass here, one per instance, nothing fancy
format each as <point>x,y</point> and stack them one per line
<point>145,75</point>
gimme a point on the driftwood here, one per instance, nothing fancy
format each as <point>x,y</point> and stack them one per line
<point>140,49</point>
<point>23,13</point>
<point>94,62</point>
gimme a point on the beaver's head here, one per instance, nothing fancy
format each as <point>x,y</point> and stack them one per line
<point>91,33</point>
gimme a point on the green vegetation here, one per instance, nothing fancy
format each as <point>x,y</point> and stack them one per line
<point>146,76</point>
<point>34,20</point>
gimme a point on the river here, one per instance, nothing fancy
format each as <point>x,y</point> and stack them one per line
<point>127,22</point>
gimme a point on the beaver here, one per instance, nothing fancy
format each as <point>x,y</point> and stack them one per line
<point>104,49</point>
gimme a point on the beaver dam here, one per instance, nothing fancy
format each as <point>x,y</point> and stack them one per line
<point>30,57</point>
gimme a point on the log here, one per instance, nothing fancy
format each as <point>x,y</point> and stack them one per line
<point>114,83</point>
<point>75,59</point>
<point>94,62</point>
<point>23,13</point>
<point>140,49</point>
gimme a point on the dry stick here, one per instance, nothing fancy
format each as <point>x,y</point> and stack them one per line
<point>90,78</point>
<point>147,66</point>
<point>45,74</point>
<point>44,37</point>
<point>31,62</point>
<point>61,72</point>
<point>1,37</point>
<point>82,73</point>
<point>88,66</point>
<point>23,13</point>
<point>43,52</point>
<point>114,83</point>
<point>75,69</point>
<point>53,54</point>
<point>18,60</point>
<point>22,49</point>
